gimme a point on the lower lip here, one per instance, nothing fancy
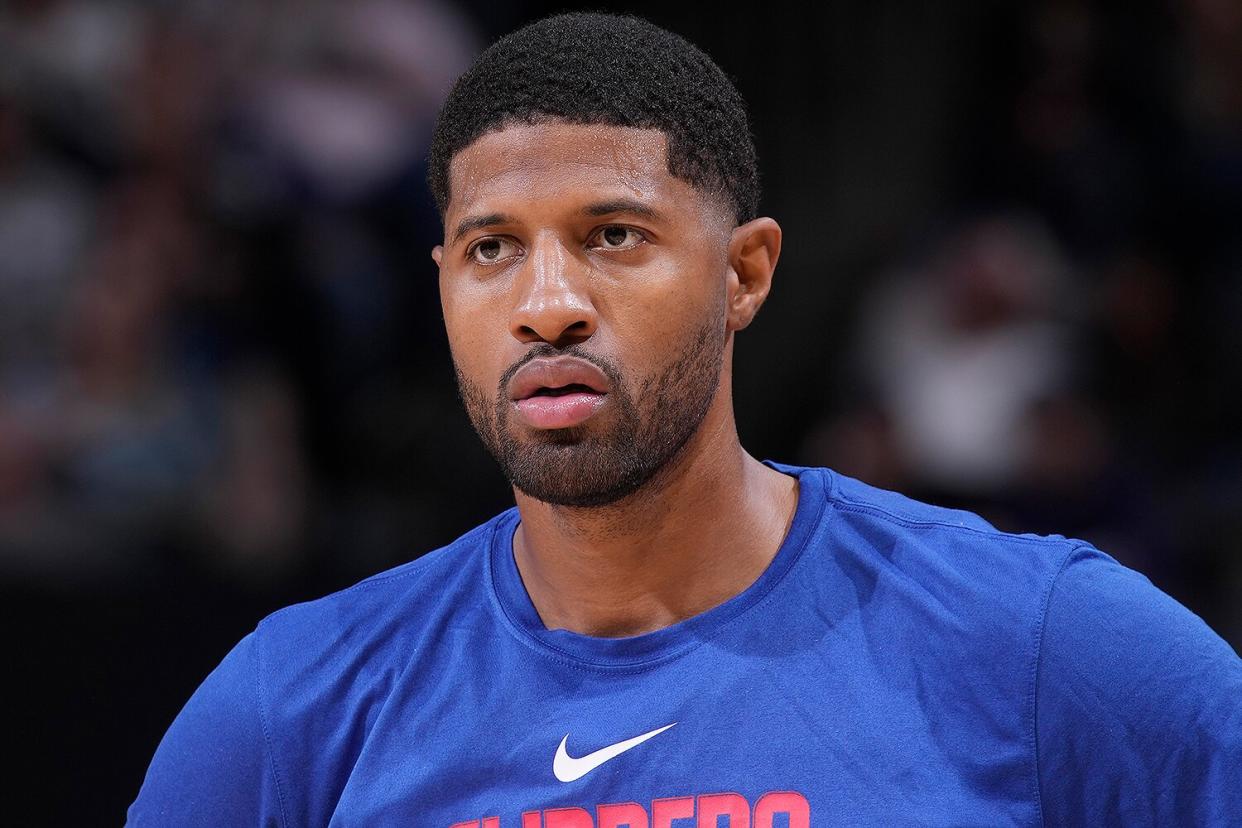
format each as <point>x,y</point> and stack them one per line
<point>559,412</point>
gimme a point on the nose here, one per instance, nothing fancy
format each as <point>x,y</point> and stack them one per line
<point>552,304</point>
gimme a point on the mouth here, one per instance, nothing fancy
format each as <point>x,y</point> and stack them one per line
<point>562,392</point>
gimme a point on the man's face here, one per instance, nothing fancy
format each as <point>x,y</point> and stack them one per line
<point>584,296</point>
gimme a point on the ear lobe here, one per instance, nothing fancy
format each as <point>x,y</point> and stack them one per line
<point>753,250</point>
<point>437,253</point>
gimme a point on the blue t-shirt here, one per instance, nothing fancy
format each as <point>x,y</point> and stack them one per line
<point>896,664</point>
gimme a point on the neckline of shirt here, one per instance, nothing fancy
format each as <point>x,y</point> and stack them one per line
<point>513,603</point>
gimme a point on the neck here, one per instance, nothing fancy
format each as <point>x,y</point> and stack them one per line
<point>697,534</point>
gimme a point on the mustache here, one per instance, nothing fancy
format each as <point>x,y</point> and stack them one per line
<point>544,349</point>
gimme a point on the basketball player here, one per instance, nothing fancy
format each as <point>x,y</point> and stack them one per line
<point>666,632</point>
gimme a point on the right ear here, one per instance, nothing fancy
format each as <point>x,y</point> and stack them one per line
<point>437,253</point>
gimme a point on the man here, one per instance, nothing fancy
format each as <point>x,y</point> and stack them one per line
<point>666,632</point>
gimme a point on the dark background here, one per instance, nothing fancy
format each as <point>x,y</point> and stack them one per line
<point>1012,281</point>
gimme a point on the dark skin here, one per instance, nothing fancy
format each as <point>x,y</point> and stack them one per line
<point>578,234</point>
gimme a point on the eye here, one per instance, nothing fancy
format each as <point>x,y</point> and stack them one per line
<point>491,250</point>
<point>618,237</point>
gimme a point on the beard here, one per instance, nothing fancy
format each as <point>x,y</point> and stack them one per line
<point>595,464</point>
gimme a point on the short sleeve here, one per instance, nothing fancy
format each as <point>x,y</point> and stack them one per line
<point>212,768</point>
<point>1138,708</point>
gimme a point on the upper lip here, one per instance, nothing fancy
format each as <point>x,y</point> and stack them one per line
<point>556,372</point>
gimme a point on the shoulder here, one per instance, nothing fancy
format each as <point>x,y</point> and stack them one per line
<point>388,608</point>
<point>1075,595</point>
<point>924,539</point>
<point>848,495</point>
<point>943,582</point>
<point>325,669</point>
<point>271,735</point>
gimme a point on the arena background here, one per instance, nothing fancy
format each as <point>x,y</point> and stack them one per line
<point>1012,281</point>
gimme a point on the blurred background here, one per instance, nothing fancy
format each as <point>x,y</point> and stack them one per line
<point>1012,282</point>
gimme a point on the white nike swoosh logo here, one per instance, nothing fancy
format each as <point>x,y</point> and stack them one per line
<point>568,769</point>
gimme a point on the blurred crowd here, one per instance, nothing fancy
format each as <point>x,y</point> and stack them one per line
<point>217,307</point>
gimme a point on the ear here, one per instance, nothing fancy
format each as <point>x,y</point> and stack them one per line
<point>437,253</point>
<point>753,250</point>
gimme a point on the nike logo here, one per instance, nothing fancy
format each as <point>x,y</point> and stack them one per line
<point>569,769</point>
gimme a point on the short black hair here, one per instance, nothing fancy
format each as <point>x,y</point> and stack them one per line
<point>617,70</point>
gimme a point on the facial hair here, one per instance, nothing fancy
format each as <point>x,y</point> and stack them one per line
<point>597,464</point>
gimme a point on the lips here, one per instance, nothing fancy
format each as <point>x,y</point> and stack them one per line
<point>560,392</point>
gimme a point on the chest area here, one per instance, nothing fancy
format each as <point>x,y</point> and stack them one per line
<point>706,743</point>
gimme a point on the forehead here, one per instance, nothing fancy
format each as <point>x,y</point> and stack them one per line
<point>553,164</point>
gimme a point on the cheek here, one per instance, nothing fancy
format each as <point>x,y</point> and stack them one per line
<point>663,315</point>
<point>476,322</point>
<point>466,338</point>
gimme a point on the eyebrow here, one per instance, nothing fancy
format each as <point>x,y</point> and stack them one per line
<point>599,208</point>
<point>621,205</point>
<point>478,223</point>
